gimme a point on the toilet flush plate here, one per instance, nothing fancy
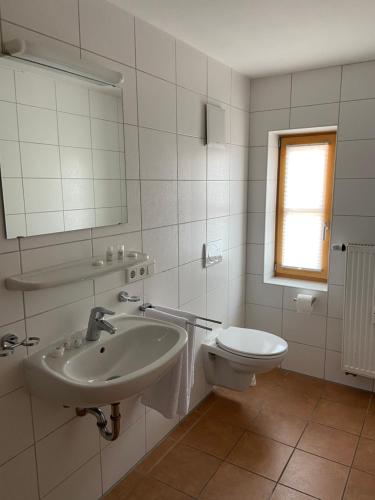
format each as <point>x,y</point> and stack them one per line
<point>213,252</point>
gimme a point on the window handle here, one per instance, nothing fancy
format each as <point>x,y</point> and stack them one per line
<point>325,229</point>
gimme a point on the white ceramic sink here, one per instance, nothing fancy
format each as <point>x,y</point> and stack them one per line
<point>110,369</point>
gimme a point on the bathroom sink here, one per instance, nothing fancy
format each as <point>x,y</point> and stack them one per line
<point>109,369</point>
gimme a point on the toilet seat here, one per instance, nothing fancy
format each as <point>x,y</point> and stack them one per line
<point>251,343</point>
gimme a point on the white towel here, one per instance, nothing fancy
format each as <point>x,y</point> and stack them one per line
<point>170,395</point>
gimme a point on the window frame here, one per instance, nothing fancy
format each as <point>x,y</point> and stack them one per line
<point>308,138</point>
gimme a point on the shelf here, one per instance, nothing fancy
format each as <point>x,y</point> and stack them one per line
<point>73,272</point>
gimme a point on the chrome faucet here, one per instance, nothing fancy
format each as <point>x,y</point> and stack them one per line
<point>97,323</point>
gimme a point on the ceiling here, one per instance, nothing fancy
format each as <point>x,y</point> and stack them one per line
<point>264,37</point>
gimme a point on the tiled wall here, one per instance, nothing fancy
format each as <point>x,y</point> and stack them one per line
<point>339,96</point>
<point>180,194</point>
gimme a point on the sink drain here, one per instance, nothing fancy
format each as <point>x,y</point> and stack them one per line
<point>113,377</point>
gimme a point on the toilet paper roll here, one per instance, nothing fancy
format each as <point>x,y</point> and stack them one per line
<point>304,303</point>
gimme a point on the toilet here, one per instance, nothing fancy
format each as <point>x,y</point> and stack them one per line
<point>232,356</point>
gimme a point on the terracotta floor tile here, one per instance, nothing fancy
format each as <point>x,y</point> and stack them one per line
<point>273,377</point>
<point>284,428</point>
<point>237,413</point>
<point>289,402</point>
<point>361,486</point>
<point>186,469</point>
<point>206,404</point>
<point>261,455</point>
<point>365,456</point>
<point>150,489</point>
<point>329,443</point>
<point>369,426</point>
<point>233,483</point>
<point>344,417</point>
<point>125,487</point>
<point>213,436</point>
<point>152,458</point>
<point>185,425</point>
<point>315,476</point>
<point>253,396</point>
<point>283,493</point>
<point>347,395</point>
<point>303,384</point>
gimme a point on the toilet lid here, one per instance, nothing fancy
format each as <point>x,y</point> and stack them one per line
<point>251,343</point>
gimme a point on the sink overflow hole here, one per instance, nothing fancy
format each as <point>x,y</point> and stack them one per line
<point>102,349</point>
<point>113,377</point>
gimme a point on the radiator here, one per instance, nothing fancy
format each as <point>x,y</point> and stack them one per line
<point>359,311</point>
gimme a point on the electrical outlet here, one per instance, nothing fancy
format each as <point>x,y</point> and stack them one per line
<point>131,274</point>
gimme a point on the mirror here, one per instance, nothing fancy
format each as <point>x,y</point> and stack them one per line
<point>61,151</point>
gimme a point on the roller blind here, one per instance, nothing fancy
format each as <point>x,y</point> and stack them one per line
<point>303,218</point>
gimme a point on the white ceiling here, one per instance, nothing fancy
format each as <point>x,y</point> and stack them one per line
<point>263,37</point>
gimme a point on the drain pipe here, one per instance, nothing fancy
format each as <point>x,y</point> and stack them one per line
<point>101,421</point>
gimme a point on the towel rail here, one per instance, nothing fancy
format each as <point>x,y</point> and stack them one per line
<point>148,305</point>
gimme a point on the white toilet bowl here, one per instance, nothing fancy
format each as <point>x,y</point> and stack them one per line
<point>233,355</point>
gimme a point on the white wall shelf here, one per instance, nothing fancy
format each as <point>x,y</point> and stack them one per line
<point>78,270</point>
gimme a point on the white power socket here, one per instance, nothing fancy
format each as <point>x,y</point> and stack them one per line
<point>139,271</point>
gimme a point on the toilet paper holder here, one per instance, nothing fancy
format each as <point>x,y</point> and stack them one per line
<point>312,302</point>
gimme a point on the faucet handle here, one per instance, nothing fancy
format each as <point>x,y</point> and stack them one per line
<point>99,312</point>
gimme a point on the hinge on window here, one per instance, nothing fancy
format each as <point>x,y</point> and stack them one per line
<point>274,267</point>
<point>279,142</point>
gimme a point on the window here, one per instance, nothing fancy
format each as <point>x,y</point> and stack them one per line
<point>304,201</point>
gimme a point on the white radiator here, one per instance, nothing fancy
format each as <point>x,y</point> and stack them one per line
<point>359,311</point>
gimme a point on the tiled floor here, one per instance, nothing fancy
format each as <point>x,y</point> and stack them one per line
<point>291,437</point>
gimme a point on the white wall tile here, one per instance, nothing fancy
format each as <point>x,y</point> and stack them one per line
<point>237,263</point>
<point>256,196</point>
<point>239,163</point>
<point>219,81</point>
<point>191,201</point>
<point>354,159</point>
<point>120,456</point>
<point>258,292</point>
<point>76,162</point>
<point>37,125</point>
<point>155,51</point>
<point>255,258</point>
<point>318,86</point>
<point>78,194</point>
<point>105,135</point>
<point>258,163</point>
<point>314,116</point>
<point>84,483</point>
<point>159,203</point>
<point>334,334</point>
<point>270,93</point>
<point>19,435</point>
<point>131,152</point>
<point>157,427</point>
<point>217,199</point>
<point>262,122</point>
<point>11,307</point>
<point>106,164</point>
<point>156,103</point>
<point>335,301</point>
<point>11,372</point>
<point>162,244</point>
<point>240,91</point>
<point>217,305</point>
<point>191,237</point>
<point>192,281</point>
<point>237,230</point>
<point>158,155</point>
<point>107,30</point>
<point>255,228</point>
<point>191,158</point>
<point>218,275</point>
<point>354,197</point>
<point>238,197</point>
<point>47,222</point>
<point>7,87</point>
<point>191,113</point>
<point>191,68</point>
<point>358,81</point>
<point>71,446</point>
<point>218,229</point>
<point>319,306</point>
<point>58,20</point>
<point>106,106</point>
<point>304,329</point>
<point>305,359</point>
<point>162,288</point>
<point>267,319</point>
<point>18,477</point>
<point>8,124</point>
<point>218,163</point>
<point>239,126</point>
<point>357,120</point>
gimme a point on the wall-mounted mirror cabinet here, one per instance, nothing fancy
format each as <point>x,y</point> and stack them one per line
<point>61,151</point>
